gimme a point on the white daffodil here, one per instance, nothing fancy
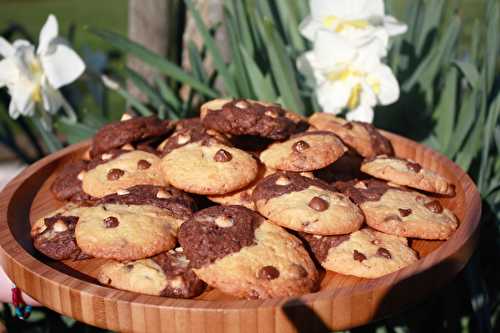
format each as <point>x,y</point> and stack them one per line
<point>347,78</point>
<point>35,77</point>
<point>360,22</point>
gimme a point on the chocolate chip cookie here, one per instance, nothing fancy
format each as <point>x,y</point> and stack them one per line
<point>237,251</point>
<point>304,204</point>
<point>365,253</point>
<point>54,235</point>
<point>406,172</point>
<point>167,274</point>
<point>208,167</point>
<point>133,130</point>
<point>120,169</point>
<point>400,211</point>
<point>304,152</point>
<point>248,117</point>
<point>68,183</point>
<point>362,137</point>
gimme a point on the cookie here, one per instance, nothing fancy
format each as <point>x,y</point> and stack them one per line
<point>365,253</point>
<point>167,274</point>
<point>120,169</point>
<point>208,167</point>
<point>304,204</point>
<point>68,184</point>
<point>125,232</point>
<point>248,117</point>
<point>117,134</point>
<point>189,131</point>
<point>304,152</point>
<point>408,173</point>
<point>237,251</point>
<point>54,235</point>
<point>364,138</point>
<point>347,167</point>
<point>400,211</point>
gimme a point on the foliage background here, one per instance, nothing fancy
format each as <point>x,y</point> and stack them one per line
<point>447,65</point>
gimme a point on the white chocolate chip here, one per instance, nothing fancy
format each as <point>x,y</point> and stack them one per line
<point>80,175</point>
<point>271,114</point>
<point>122,192</point>
<point>59,226</point>
<point>224,222</point>
<point>128,146</point>
<point>360,185</point>
<point>212,132</point>
<point>179,249</point>
<point>317,236</point>
<point>126,116</point>
<point>283,181</point>
<point>106,157</point>
<point>183,138</point>
<point>162,195</point>
<point>176,283</point>
<point>242,105</point>
<point>40,228</point>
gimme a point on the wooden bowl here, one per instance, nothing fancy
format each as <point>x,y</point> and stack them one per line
<point>343,302</point>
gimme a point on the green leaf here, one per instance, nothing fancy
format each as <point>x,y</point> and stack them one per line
<point>491,49</point>
<point>196,62</point>
<point>154,60</point>
<point>144,86</point>
<point>432,15</point>
<point>444,113</point>
<point>219,63</point>
<point>465,120</point>
<point>75,132</point>
<point>290,24</point>
<point>51,141</point>
<point>491,123</point>
<point>167,93</point>
<point>262,85</point>
<point>133,101</point>
<point>244,27</point>
<point>469,71</point>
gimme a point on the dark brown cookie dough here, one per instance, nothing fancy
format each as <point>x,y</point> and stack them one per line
<point>56,238</point>
<point>245,117</point>
<point>320,245</point>
<point>361,191</point>
<point>216,232</point>
<point>68,183</point>
<point>179,204</point>
<point>134,130</point>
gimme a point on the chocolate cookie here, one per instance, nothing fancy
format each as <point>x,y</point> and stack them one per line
<point>54,235</point>
<point>304,204</point>
<point>167,274</point>
<point>304,152</point>
<point>347,167</point>
<point>120,169</point>
<point>133,130</point>
<point>400,211</point>
<point>248,117</point>
<point>237,251</point>
<point>208,167</point>
<point>406,172</point>
<point>365,253</point>
<point>68,183</point>
<point>362,137</point>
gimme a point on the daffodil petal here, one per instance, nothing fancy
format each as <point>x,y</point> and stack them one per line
<point>6,50</point>
<point>393,26</point>
<point>21,95</point>
<point>308,27</point>
<point>49,32</point>
<point>8,72</point>
<point>51,99</point>
<point>62,66</point>
<point>331,49</point>
<point>332,97</point>
<point>362,113</point>
<point>13,111</point>
<point>388,86</point>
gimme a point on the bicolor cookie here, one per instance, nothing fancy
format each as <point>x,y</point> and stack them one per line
<point>406,172</point>
<point>208,167</point>
<point>362,137</point>
<point>365,253</point>
<point>248,117</point>
<point>347,167</point>
<point>304,204</point>
<point>54,235</point>
<point>167,274</point>
<point>120,169</point>
<point>68,183</point>
<point>304,152</point>
<point>399,211</point>
<point>237,251</point>
<point>133,224</point>
<point>117,134</point>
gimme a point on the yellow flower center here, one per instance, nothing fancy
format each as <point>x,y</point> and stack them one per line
<point>355,96</point>
<point>37,72</point>
<point>339,25</point>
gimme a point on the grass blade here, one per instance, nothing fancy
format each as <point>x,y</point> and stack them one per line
<point>167,94</point>
<point>143,85</point>
<point>444,113</point>
<point>262,85</point>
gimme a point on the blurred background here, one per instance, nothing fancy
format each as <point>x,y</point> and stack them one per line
<point>447,65</point>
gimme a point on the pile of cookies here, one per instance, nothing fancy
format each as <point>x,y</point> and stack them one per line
<point>249,198</point>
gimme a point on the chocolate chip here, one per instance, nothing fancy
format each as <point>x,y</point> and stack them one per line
<point>129,267</point>
<point>404,212</point>
<point>111,222</point>
<point>143,165</point>
<point>300,146</point>
<point>318,204</point>
<point>300,270</point>
<point>115,174</point>
<point>392,217</point>
<point>382,252</point>
<point>358,256</point>
<point>434,206</point>
<point>253,294</point>
<point>269,273</point>
<point>347,125</point>
<point>413,166</point>
<point>222,156</point>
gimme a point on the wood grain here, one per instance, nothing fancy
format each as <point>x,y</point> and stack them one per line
<point>343,302</point>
